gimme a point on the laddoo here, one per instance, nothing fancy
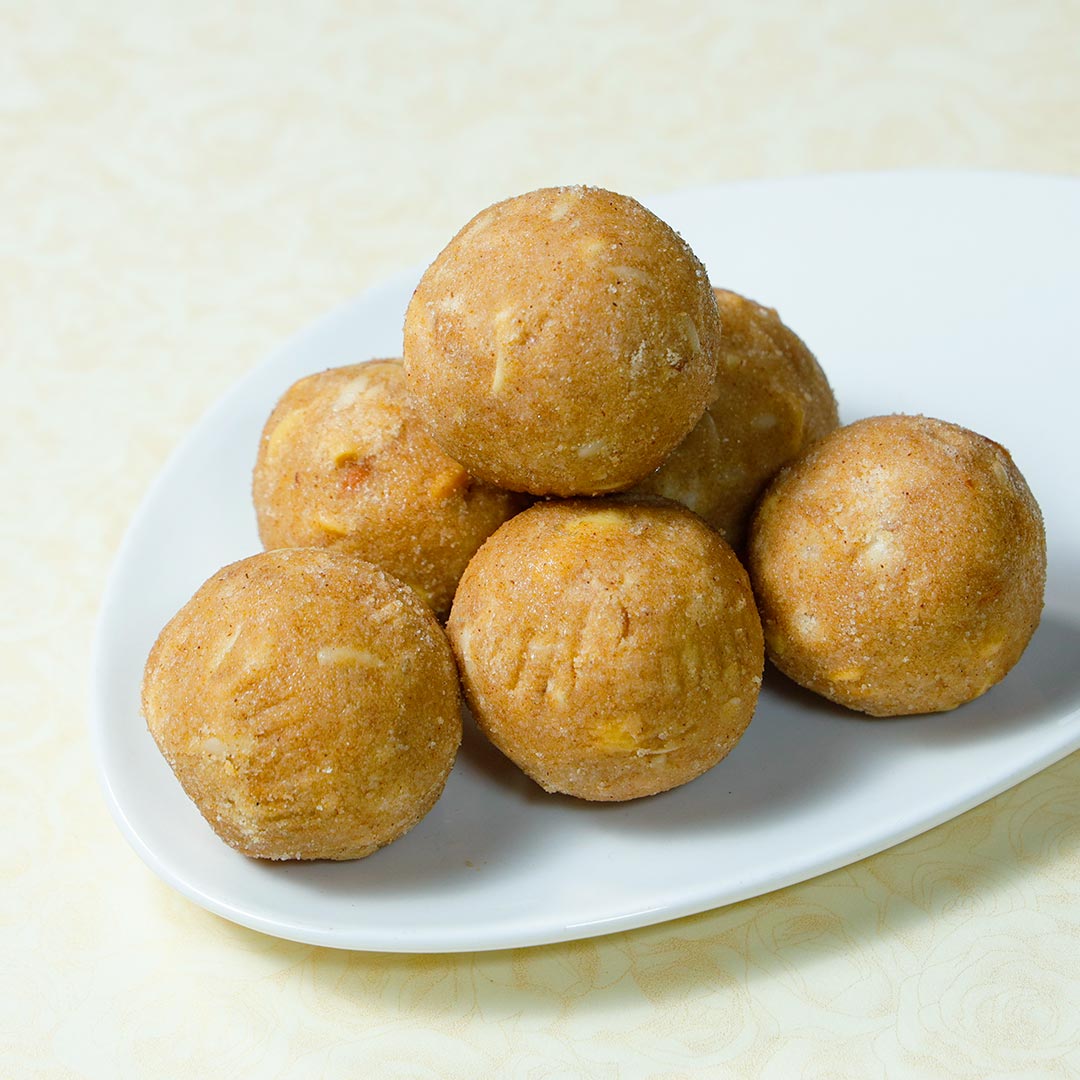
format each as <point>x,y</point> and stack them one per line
<point>899,566</point>
<point>345,463</point>
<point>563,343</point>
<point>769,401</point>
<point>609,647</point>
<point>307,702</point>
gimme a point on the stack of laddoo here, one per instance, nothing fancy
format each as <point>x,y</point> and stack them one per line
<point>546,502</point>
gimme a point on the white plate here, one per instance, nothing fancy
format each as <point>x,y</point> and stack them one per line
<point>956,295</point>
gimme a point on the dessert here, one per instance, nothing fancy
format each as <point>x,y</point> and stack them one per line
<point>770,400</point>
<point>609,647</point>
<point>307,702</point>
<point>563,343</point>
<point>344,462</point>
<point>899,566</point>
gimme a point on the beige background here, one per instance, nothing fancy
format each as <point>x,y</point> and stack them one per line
<point>182,186</point>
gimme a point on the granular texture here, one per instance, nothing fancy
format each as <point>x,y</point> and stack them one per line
<point>770,400</point>
<point>563,343</point>
<point>307,702</point>
<point>344,462</point>
<point>609,647</point>
<point>899,566</point>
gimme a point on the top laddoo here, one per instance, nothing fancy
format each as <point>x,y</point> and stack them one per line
<point>563,343</point>
<point>770,400</point>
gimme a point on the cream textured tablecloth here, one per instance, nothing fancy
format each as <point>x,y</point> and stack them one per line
<point>182,185</point>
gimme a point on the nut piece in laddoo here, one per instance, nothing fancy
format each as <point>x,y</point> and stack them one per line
<point>345,463</point>
<point>899,566</point>
<point>563,343</point>
<point>770,401</point>
<point>308,704</point>
<point>610,648</point>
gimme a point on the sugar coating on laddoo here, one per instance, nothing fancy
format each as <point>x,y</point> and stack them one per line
<point>307,702</point>
<point>564,342</point>
<point>770,400</point>
<point>899,566</point>
<point>344,462</point>
<point>610,647</point>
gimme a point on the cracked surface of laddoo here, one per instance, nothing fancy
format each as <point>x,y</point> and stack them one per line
<point>609,647</point>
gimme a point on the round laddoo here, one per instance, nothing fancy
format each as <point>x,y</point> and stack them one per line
<point>307,702</point>
<point>344,462</point>
<point>563,343</point>
<point>770,400</point>
<point>609,647</point>
<point>899,566</point>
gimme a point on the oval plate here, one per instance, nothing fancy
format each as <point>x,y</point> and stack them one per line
<point>954,295</point>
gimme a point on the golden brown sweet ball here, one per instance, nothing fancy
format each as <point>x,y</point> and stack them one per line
<point>899,566</point>
<point>770,401</point>
<point>609,647</point>
<point>563,343</point>
<point>344,462</point>
<point>308,704</point>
